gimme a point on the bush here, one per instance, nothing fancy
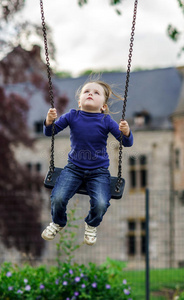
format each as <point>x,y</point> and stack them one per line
<point>68,282</point>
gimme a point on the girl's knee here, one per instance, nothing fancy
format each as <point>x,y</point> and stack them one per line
<point>102,206</point>
<point>57,201</point>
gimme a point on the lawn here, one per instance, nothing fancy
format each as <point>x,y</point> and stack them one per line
<point>163,283</point>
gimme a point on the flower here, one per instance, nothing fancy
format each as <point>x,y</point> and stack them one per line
<point>65,282</point>
<point>71,272</point>
<point>107,286</point>
<point>81,275</point>
<point>28,288</point>
<point>57,281</point>
<point>19,292</point>
<point>124,281</point>
<point>77,279</point>
<point>94,285</point>
<point>25,280</point>
<point>76,293</point>
<point>126,292</point>
<point>8,274</point>
<point>42,286</point>
<point>83,286</point>
<point>10,288</point>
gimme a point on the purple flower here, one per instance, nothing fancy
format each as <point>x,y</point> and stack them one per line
<point>124,281</point>
<point>76,293</point>
<point>107,286</point>
<point>71,272</point>
<point>65,282</point>
<point>25,280</point>
<point>77,279</point>
<point>126,292</point>
<point>19,292</point>
<point>42,286</point>
<point>57,281</point>
<point>94,285</point>
<point>67,298</point>
<point>8,274</point>
<point>10,288</point>
<point>83,286</point>
<point>81,275</point>
<point>28,288</point>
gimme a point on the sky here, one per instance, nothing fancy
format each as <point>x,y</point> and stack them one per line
<point>96,37</point>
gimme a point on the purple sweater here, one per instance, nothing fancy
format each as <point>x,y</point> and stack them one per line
<point>88,136</point>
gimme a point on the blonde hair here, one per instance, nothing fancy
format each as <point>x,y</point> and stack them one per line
<point>108,92</point>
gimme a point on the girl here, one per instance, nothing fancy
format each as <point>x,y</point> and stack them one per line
<point>88,160</point>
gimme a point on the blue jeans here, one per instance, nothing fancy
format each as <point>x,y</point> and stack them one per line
<point>98,188</point>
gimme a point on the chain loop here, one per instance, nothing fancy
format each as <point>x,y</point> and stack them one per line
<point>51,167</point>
<point>126,93</point>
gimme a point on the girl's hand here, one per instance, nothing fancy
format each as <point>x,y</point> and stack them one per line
<point>51,116</point>
<point>124,127</point>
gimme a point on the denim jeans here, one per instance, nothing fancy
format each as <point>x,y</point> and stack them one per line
<point>98,188</point>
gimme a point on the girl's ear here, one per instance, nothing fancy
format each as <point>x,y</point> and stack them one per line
<point>104,107</point>
<point>79,104</point>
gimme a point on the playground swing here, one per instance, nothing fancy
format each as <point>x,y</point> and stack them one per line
<point>117,183</point>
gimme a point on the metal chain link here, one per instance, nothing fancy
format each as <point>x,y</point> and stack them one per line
<point>51,167</point>
<point>126,94</point>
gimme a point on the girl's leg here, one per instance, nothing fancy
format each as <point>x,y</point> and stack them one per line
<point>98,188</point>
<point>66,186</point>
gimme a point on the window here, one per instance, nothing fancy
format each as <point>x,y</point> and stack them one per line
<point>143,237</point>
<point>38,126</point>
<point>142,118</point>
<point>138,172</point>
<point>177,158</point>
<point>32,167</point>
<point>143,171</point>
<point>136,237</point>
<point>131,237</point>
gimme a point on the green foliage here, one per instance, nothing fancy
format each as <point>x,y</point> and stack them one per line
<point>63,74</point>
<point>67,242</point>
<point>181,296</point>
<point>64,283</point>
<point>173,32</point>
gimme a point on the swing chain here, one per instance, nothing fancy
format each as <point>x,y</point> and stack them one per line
<point>51,167</point>
<point>126,93</point>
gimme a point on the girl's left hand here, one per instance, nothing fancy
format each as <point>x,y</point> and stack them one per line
<point>124,127</point>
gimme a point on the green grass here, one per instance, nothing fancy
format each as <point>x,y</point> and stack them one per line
<point>159,279</point>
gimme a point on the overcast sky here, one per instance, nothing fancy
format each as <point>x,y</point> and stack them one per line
<point>96,37</point>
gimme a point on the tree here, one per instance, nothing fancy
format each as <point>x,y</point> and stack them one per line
<point>173,32</point>
<point>20,197</point>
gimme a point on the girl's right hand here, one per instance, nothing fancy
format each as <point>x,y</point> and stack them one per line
<point>51,116</point>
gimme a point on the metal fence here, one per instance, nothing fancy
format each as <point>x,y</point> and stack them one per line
<point>144,230</point>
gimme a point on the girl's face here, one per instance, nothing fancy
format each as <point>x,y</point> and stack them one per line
<point>92,98</point>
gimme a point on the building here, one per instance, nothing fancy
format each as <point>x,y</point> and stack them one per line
<point>155,112</point>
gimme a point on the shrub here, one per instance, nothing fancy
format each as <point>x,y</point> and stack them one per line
<point>68,282</point>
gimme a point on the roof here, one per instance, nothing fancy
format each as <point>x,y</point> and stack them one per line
<point>154,91</point>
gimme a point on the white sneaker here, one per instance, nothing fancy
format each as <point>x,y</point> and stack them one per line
<point>90,235</point>
<point>50,231</point>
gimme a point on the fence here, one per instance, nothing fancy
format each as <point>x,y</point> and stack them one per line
<point>141,221</point>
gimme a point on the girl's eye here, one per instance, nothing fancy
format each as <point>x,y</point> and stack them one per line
<point>97,93</point>
<point>86,91</point>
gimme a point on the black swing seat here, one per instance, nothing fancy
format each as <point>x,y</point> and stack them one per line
<point>50,182</point>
